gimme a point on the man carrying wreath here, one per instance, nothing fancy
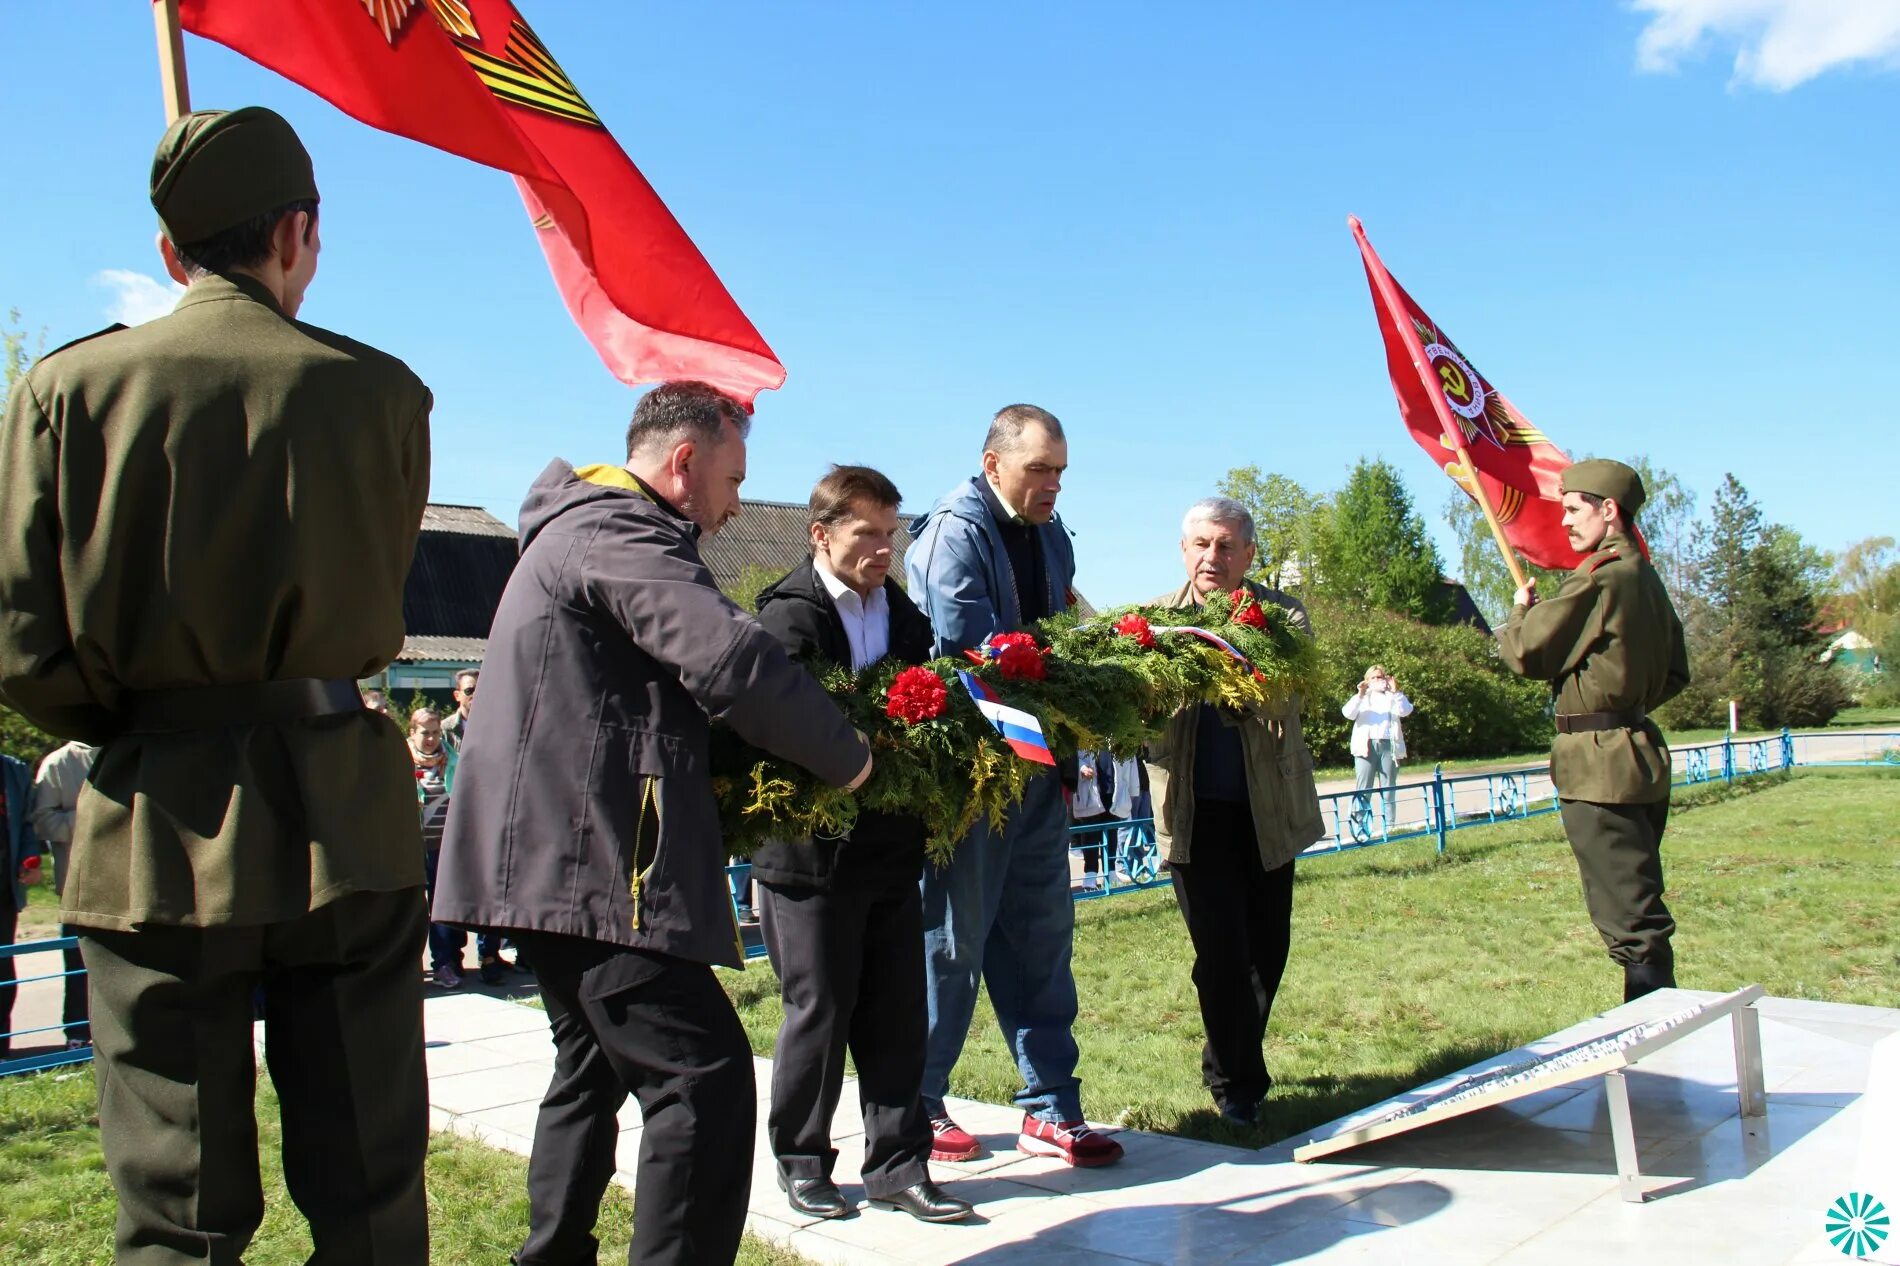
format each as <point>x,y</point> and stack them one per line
<point>843,919</point>
<point>990,558</point>
<point>1234,805</point>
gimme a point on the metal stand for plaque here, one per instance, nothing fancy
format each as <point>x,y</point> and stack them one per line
<point>1745,1022</point>
<point>1607,1056</point>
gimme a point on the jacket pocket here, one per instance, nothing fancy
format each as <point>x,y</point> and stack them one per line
<point>1304,820</point>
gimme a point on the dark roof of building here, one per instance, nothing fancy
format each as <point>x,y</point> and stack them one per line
<point>769,538</point>
<point>447,650</point>
<point>463,560</point>
<point>1463,609</point>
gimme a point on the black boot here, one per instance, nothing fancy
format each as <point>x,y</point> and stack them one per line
<point>1642,978</point>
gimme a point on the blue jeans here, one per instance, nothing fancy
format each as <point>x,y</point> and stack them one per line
<point>1001,910</point>
<point>1379,769</point>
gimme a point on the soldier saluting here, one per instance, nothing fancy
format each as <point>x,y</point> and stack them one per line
<point>209,520</point>
<point>1611,647</point>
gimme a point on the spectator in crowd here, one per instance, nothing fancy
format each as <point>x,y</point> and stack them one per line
<point>843,918</point>
<point>586,825</point>
<point>455,724</point>
<point>1135,842</point>
<point>1092,804</point>
<point>992,557</point>
<point>435,762</point>
<point>55,797</point>
<point>488,945</point>
<point>20,858</point>
<point>1378,739</point>
<point>1235,803</point>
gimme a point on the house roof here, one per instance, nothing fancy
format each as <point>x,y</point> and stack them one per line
<point>452,650</point>
<point>463,559</point>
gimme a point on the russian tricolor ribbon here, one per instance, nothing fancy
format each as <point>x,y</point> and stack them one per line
<point>1021,731</point>
<point>1205,636</point>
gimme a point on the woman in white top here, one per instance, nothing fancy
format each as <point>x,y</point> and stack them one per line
<point>1378,740</point>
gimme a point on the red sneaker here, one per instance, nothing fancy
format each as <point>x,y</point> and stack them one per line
<point>1076,1142</point>
<point>950,1141</point>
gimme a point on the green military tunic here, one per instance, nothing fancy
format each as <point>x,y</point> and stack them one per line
<point>221,496</point>
<point>1609,642</point>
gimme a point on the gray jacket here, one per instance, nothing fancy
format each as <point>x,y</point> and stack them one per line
<point>584,803</point>
<point>1280,789</point>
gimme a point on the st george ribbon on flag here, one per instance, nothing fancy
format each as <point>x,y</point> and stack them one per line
<point>1021,731</point>
<point>471,77</point>
<point>1447,403</point>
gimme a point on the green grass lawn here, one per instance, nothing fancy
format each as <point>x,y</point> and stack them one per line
<point>1407,965</point>
<point>59,1206</point>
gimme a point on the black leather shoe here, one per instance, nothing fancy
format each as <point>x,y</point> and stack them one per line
<point>1646,978</point>
<point>926,1202</point>
<point>815,1197</point>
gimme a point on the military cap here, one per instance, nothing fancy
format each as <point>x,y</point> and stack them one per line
<point>1601,477</point>
<point>215,169</point>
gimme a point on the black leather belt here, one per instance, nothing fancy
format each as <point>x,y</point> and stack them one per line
<point>1583,722</point>
<point>253,703</point>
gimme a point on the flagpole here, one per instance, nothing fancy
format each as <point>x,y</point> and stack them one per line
<point>171,60</point>
<point>1454,434</point>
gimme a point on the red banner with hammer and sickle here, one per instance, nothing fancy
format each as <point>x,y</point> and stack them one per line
<point>1447,403</point>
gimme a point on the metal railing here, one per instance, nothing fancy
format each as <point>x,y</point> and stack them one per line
<point>59,1053</point>
<point>1126,858</point>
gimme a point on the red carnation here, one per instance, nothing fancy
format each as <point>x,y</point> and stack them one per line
<point>916,695</point>
<point>1017,656</point>
<point>1135,626</point>
<point>1247,610</point>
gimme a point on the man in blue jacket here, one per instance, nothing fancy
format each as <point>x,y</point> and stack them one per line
<point>992,557</point>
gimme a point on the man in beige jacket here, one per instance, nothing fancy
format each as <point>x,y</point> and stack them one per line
<point>1234,805</point>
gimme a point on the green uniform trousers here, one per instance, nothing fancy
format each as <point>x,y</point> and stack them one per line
<point>1619,855</point>
<point>172,1025</point>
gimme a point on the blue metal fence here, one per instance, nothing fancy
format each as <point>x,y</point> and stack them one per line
<point>59,1053</point>
<point>1122,855</point>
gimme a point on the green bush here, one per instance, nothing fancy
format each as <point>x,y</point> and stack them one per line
<point>21,739</point>
<point>1465,701</point>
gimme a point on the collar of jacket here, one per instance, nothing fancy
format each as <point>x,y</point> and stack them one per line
<point>221,286</point>
<point>605,476</point>
<point>999,509</point>
<point>1185,597</point>
<point>801,584</point>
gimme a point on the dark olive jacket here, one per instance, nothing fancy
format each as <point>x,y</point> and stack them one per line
<point>882,847</point>
<point>223,496</point>
<point>1608,641</point>
<point>583,798</point>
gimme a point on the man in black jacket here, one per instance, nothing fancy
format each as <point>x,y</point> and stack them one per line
<point>584,824</point>
<point>843,918</point>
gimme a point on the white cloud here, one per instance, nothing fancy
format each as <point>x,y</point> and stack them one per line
<point>137,298</point>
<point>1779,43</point>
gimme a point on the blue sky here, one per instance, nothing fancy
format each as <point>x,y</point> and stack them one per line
<point>1666,228</point>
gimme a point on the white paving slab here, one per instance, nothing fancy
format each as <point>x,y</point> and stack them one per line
<point>1531,1183</point>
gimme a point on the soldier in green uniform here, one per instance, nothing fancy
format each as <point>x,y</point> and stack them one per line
<point>1611,647</point>
<point>209,519</point>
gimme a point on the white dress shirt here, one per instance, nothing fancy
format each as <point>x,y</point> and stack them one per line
<point>867,621</point>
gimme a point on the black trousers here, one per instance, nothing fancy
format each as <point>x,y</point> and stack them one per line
<point>850,964</point>
<point>629,1021</point>
<point>1240,918</point>
<point>343,1040</point>
<point>1619,858</point>
<point>9,926</point>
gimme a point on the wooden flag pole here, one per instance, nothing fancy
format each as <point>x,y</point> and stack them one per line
<point>1454,435</point>
<point>1491,517</point>
<point>171,60</point>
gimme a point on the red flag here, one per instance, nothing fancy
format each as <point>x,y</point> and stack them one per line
<point>470,77</point>
<point>1446,402</point>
